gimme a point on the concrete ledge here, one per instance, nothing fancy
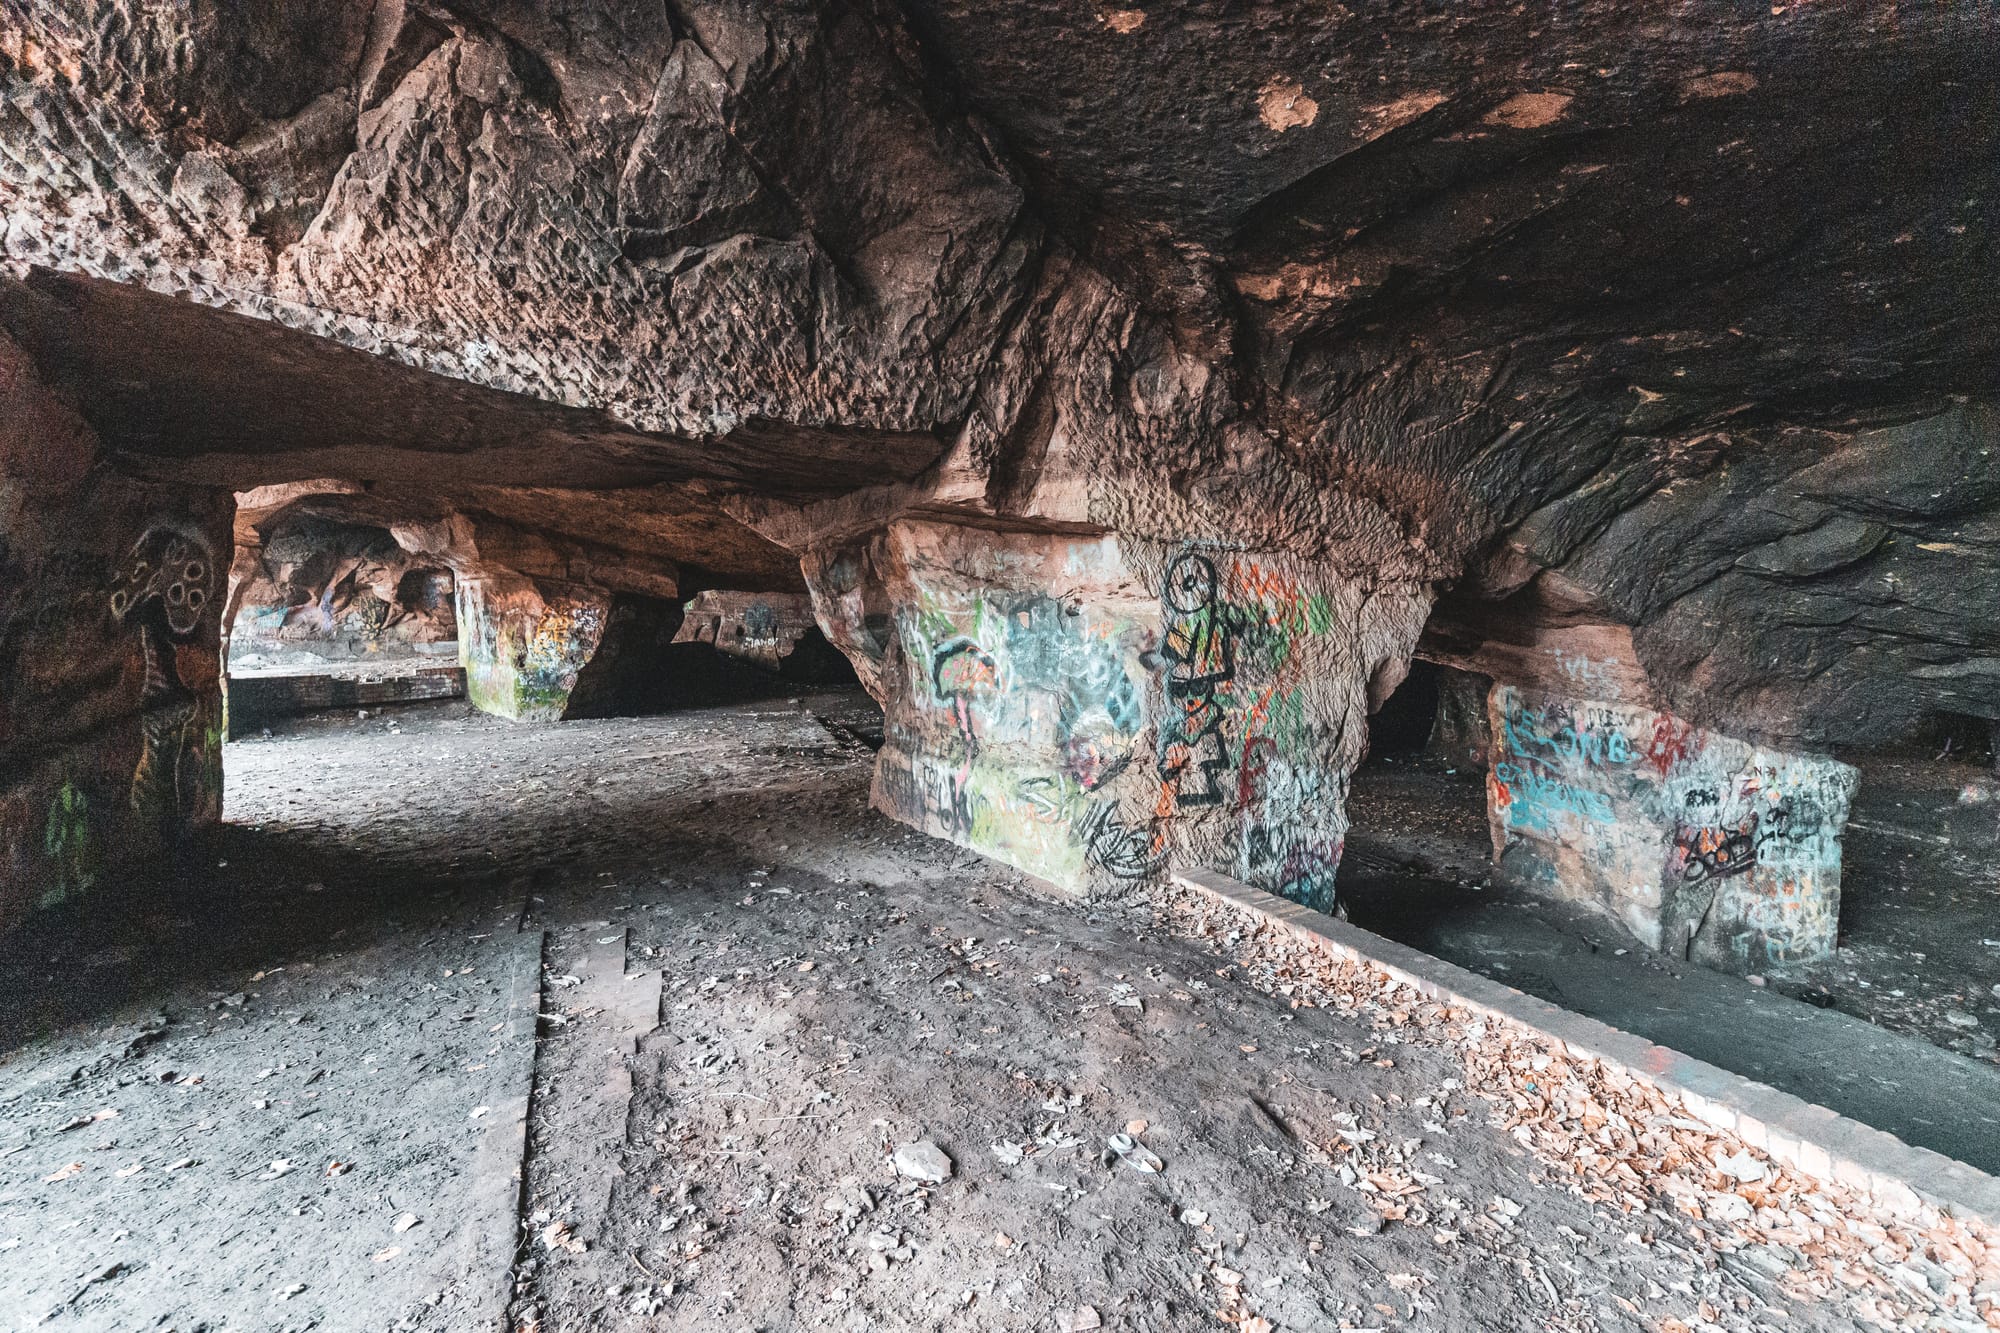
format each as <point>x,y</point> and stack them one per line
<point>1806,1138</point>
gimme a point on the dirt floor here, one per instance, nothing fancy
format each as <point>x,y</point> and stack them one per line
<point>651,1024</point>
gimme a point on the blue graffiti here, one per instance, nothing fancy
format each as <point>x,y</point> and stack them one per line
<point>1537,798</point>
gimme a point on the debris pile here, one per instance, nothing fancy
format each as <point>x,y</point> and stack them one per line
<point>1617,1141</point>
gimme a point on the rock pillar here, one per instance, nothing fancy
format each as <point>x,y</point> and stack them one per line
<point>111,595</point>
<point>523,642</point>
<point>1460,733</point>
<point>1098,710</point>
<point>1704,846</point>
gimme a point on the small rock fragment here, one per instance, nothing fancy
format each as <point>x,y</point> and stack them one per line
<point>924,1161</point>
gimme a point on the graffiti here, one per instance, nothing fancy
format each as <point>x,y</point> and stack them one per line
<point>161,591</point>
<point>960,668</point>
<point>1698,842</point>
<point>760,622</point>
<point>1716,853</point>
<point>947,799</point>
<point>1124,849</point>
<point>67,844</point>
<point>523,650</point>
<point>1534,798</point>
<point>1288,839</point>
<point>1307,875</point>
<point>1199,647</point>
<point>169,567</point>
<point>107,673</point>
<point>1078,740</point>
<point>1672,744</point>
<point>930,795</point>
<point>561,644</point>
<point>1565,734</point>
<point>1044,798</point>
<point>1583,670</point>
<point>1267,613</point>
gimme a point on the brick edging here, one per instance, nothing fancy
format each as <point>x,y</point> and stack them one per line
<point>1802,1136</point>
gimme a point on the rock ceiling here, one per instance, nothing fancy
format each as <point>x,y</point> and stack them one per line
<point>1672,324</point>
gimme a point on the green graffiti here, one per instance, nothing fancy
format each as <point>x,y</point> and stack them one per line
<point>67,842</point>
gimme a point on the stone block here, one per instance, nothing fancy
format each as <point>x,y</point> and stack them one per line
<point>523,643</point>
<point>1702,845</point>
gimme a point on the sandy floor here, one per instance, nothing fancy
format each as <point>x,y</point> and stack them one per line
<point>765,1021</point>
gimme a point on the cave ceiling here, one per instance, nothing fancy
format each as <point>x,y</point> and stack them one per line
<point>1687,307</point>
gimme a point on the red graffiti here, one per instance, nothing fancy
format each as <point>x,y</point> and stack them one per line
<point>1673,741</point>
<point>1258,751</point>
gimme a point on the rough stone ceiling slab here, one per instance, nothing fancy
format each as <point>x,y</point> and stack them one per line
<point>207,395</point>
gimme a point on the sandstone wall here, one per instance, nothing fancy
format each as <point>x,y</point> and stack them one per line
<point>320,591</point>
<point>111,594</point>
<point>759,627</point>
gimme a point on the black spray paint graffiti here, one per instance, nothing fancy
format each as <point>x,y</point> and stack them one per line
<point>1128,851</point>
<point>1192,747</point>
<point>1706,847</point>
<point>162,591</point>
<point>1716,853</point>
<point>1200,648</point>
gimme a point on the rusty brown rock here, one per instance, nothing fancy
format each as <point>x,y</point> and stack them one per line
<point>1646,351</point>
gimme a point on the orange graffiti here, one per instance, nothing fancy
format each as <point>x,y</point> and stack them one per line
<point>1256,582</point>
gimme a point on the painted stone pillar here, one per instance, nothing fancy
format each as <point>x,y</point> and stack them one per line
<point>1704,846</point>
<point>524,641</point>
<point>111,595</point>
<point>1098,711</point>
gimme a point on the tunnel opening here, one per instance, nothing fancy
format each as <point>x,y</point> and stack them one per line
<point>1417,843</point>
<point>330,613</point>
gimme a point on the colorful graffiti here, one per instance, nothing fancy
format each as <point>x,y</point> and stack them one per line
<point>1701,844</point>
<point>69,845</point>
<point>523,647</point>
<point>161,593</point>
<point>1716,853</point>
<point>1075,739</point>
<point>111,703</point>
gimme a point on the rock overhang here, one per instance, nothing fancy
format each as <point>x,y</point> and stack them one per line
<point>1656,333</point>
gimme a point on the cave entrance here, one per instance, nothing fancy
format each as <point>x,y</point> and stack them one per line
<point>331,613</point>
<point>346,600</point>
<point>1417,845</point>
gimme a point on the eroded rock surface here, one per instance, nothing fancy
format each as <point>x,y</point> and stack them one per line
<point>110,605</point>
<point>1702,846</point>
<point>1649,349</point>
<point>319,591</point>
<point>764,628</point>
<point>1095,711</point>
